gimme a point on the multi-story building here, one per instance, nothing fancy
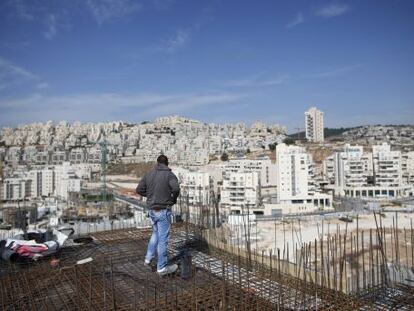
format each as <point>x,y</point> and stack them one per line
<point>13,155</point>
<point>196,187</point>
<point>66,181</point>
<point>314,125</point>
<point>374,175</point>
<point>57,157</point>
<point>351,167</point>
<point>42,182</point>
<point>296,192</point>
<point>387,166</point>
<point>42,157</point>
<point>29,155</point>
<point>1,189</point>
<point>407,167</point>
<point>292,172</point>
<point>264,167</point>
<point>2,153</point>
<point>77,155</point>
<point>16,188</point>
<point>240,193</point>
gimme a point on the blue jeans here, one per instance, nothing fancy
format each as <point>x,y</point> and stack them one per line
<point>161,223</point>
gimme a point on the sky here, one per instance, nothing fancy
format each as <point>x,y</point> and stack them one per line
<point>213,60</point>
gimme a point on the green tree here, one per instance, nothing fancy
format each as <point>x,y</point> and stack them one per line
<point>272,147</point>
<point>224,157</point>
<point>289,141</point>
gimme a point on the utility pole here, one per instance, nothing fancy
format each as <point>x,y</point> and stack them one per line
<point>104,155</point>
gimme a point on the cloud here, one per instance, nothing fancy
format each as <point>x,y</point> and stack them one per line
<point>256,80</point>
<point>298,19</point>
<point>42,86</point>
<point>108,106</point>
<point>54,22</point>
<point>177,41</point>
<point>106,10</point>
<point>332,10</point>
<point>332,72</point>
<point>22,10</point>
<point>15,45</point>
<point>12,75</point>
<point>54,18</point>
<point>162,4</point>
<point>51,26</point>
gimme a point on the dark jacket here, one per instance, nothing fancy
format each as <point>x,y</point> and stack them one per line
<point>160,186</point>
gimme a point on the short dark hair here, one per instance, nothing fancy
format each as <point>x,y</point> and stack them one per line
<point>162,159</point>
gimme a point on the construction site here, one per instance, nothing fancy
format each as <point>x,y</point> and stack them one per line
<point>104,271</point>
<point>220,267</point>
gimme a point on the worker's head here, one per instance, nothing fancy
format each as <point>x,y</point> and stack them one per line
<point>162,159</point>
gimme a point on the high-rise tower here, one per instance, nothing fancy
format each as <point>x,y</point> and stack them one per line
<point>314,125</point>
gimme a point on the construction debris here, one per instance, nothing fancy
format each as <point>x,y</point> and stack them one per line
<point>32,244</point>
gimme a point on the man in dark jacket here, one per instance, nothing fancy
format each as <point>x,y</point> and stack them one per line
<point>161,188</point>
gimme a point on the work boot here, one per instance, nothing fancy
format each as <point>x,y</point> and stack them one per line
<point>167,270</point>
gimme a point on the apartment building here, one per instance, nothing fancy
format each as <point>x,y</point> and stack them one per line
<point>240,193</point>
<point>351,167</point>
<point>77,155</point>
<point>196,187</point>
<point>46,182</point>
<point>374,175</point>
<point>15,188</point>
<point>407,167</point>
<point>387,166</point>
<point>1,189</point>
<point>296,192</point>
<point>66,181</point>
<point>314,125</point>
<point>43,182</point>
<point>264,167</point>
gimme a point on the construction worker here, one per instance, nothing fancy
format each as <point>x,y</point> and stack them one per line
<point>160,187</point>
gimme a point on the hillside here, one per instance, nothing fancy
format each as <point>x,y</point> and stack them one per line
<point>328,132</point>
<point>135,169</point>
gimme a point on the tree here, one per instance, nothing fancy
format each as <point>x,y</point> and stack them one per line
<point>224,157</point>
<point>272,147</point>
<point>289,141</point>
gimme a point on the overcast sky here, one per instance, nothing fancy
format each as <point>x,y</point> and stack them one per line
<point>215,61</point>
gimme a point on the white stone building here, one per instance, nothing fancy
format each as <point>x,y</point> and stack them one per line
<point>197,187</point>
<point>264,167</point>
<point>295,186</point>
<point>66,181</point>
<point>387,166</point>
<point>351,167</point>
<point>374,175</point>
<point>314,125</point>
<point>407,167</point>
<point>240,193</point>
<point>15,188</point>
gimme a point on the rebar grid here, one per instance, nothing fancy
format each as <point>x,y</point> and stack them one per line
<point>116,279</point>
